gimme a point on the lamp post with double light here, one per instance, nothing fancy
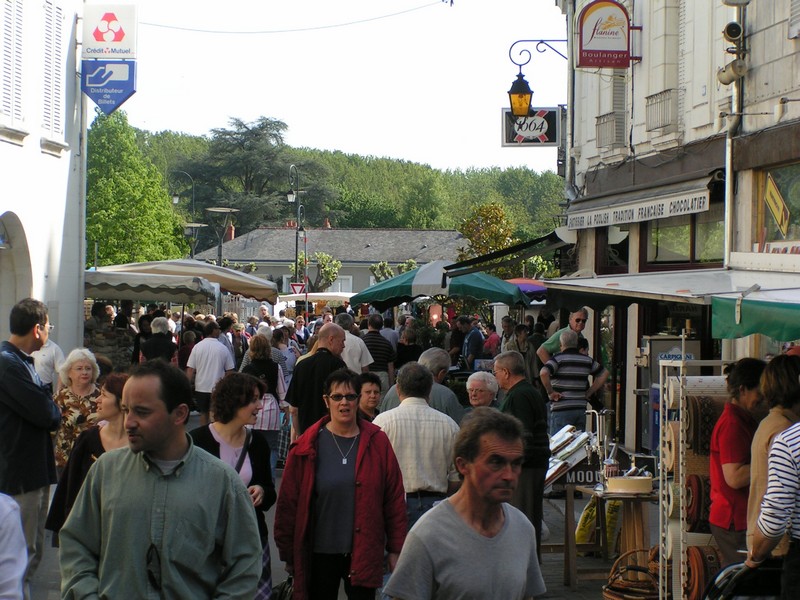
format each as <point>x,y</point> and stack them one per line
<point>192,228</point>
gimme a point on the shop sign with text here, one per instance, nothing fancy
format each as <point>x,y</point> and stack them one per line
<point>662,207</point>
<point>542,127</point>
<point>604,28</point>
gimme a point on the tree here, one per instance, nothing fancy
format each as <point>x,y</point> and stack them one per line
<point>381,271</point>
<point>408,265</point>
<point>327,270</point>
<point>128,213</point>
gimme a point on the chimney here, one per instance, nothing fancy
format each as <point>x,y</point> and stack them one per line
<point>230,233</point>
<point>327,224</point>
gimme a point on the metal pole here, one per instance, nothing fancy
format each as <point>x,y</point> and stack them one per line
<point>192,180</point>
<point>294,185</point>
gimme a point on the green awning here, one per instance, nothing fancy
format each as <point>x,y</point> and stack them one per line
<point>774,313</point>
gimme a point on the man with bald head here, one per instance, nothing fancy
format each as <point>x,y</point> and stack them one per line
<point>307,387</point>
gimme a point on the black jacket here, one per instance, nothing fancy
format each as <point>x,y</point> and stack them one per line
<point>262,471</point>
<point>27,416</point>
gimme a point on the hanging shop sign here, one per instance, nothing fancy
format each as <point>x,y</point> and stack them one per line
<point>542,127</point>
<point>604,27</point>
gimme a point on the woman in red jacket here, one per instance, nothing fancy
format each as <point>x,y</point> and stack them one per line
<point>341,501</point>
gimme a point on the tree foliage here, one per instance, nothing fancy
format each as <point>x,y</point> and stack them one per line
<point>488,229</point>
<point>128,213</point>
<point>327,270</point>
<point>381,271</point>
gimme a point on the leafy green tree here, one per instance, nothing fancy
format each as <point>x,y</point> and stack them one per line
<point>128,213</point>
<point>361,210</point>
<point>327,270</point>
<point>381,271</point>
<point>408,265</point>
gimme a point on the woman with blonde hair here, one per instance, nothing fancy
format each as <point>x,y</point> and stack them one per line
<point>77,400</point>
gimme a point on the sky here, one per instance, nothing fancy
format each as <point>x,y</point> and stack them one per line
<point>416,80</point>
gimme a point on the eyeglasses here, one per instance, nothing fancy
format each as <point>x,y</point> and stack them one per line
<point>49,327</point>
<point>580,320</point>
<point>340,397</point>
<point>154,567</point>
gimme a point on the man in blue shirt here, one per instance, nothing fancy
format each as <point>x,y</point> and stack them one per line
<point>473,340</point>
<point>27,416</point>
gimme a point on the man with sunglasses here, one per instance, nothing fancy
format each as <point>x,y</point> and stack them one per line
<point>577,323</point>
<point>27,416</point>
<point>160,518</point>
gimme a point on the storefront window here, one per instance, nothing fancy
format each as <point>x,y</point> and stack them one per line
<point>781,190</point>
<point>612,250</point>
<point>686,239</point>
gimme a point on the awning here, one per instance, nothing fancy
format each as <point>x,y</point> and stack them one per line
<point>139,287</point>
<point>317,297</point>
<point>690,287</point>
<point>229,280</point>
<point>775,313</point>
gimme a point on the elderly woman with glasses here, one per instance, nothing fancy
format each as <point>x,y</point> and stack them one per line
<point>89,446</point>
<point>77,400</point>
<point>482,389</point>
<point>341,502</point>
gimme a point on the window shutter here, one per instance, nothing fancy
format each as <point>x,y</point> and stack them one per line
<point>11,67</point>
<point>53,103</point>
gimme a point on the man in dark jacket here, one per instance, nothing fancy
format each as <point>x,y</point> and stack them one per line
<point>524,402</point>
<point>27,416</point>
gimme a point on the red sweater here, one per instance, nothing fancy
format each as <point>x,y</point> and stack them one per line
<point>380,507</point>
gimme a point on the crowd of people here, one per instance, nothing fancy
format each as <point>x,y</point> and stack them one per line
<point>386,474</point>
<point>374,435</point>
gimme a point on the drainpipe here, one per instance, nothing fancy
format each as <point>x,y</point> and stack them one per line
<point>734,122</point>
<point>569,167</point>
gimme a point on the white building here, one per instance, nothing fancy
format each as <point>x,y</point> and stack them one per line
<point>41,163</point>
<point>667,179</point>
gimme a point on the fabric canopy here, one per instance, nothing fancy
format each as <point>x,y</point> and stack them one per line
<point>427,281</point>
<point>316,297</point>
<point>533,288</point>
<point>139,287</point>
<point>229,280</point>
<point>775,313</point>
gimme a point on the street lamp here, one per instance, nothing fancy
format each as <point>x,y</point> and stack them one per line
<point>293,196</point>
<point>520,93</point>
<point>192,229</point>
<point>176,197</point>
<point>227,220</point>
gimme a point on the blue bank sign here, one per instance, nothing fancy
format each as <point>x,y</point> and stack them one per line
<point>108,83</point>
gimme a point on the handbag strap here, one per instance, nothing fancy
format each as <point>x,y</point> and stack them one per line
<point>247,435</point>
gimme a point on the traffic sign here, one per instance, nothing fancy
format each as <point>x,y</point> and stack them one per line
<point>298,288</point>
<point>108,83</point>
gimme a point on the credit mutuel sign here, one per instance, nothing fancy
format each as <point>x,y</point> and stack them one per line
<point>662,207</point>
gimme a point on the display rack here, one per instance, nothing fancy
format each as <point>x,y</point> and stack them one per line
<point>675,538</point>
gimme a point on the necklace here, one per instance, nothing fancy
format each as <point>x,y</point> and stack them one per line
<point>344,456</point>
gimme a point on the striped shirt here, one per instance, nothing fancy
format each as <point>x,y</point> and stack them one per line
<point>381,351</point>
<point>781,503</point>
<point>569,373</point>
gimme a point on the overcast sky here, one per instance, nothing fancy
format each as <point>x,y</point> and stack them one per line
<point>417,80</point>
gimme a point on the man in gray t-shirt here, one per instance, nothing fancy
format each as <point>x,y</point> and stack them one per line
<point>444,555</point>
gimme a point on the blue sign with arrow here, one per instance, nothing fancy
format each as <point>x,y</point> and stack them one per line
<point>108,83</point>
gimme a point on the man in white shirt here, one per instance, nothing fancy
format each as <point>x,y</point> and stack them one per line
<point>422,439</point>
<point>355,354</point>
<point>208,363</point>
<point>46,362</point>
